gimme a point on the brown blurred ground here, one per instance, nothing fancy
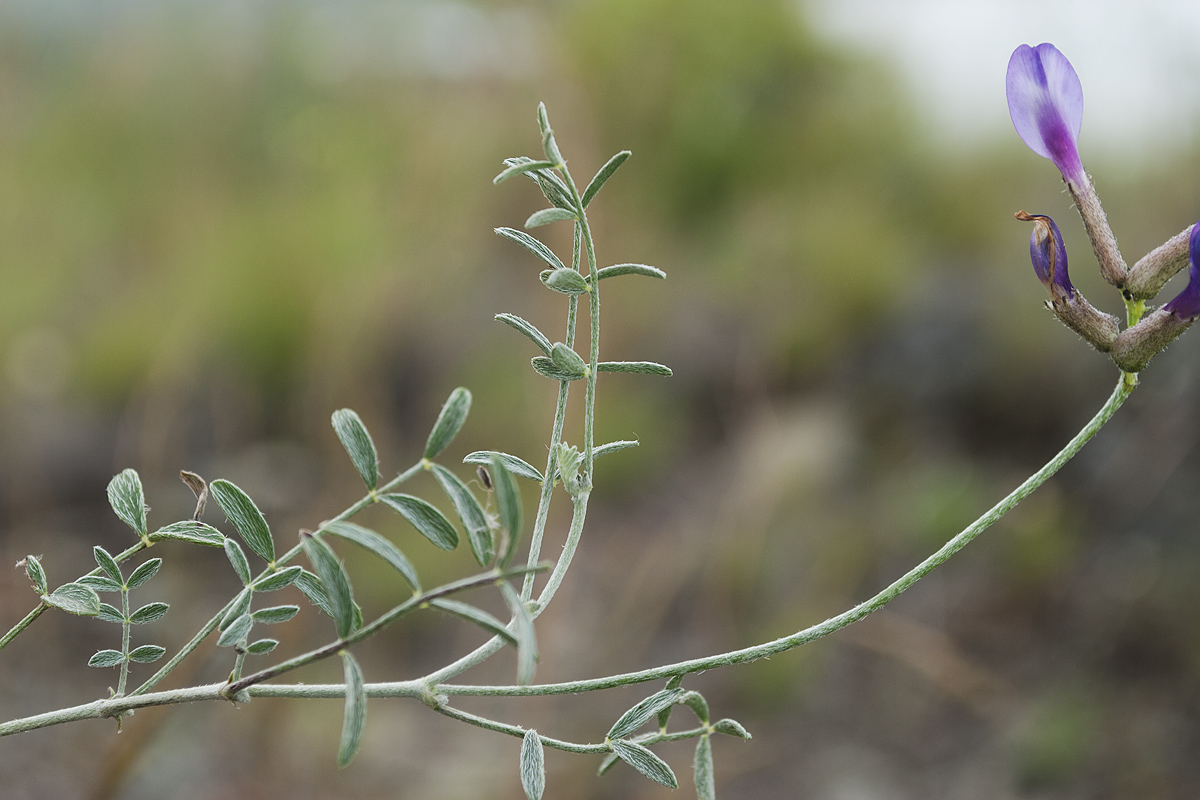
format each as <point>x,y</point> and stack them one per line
<point>217,225</point>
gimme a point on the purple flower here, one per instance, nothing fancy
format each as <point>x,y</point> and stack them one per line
<point>1048,254</point>
<point>1045,102</point>
<point>1186,304</point>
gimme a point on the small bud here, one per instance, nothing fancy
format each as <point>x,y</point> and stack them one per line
<point>1048,254</point>
<point>566,281</point>
<point>1049,257</point>
<point>567,359</point>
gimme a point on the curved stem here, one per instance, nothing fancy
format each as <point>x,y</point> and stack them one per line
<point>23,624</point>
<point>1120,393</point>
<point>421,688</point>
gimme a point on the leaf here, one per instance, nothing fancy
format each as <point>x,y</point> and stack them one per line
<point>148,613</point>
<point>565,281</point>
<point>645,762</point>
<point>532,245</point>
<point>449,422</point>
<point>245,516</point>
<point>275,614</point>
<point>548,369</point>
<point>641,713</point>
<point>731,727</point>
<point>334,579</point>
<point>609,761</point>
<point>312,588</point>
<point>144,573</point>
<point>99,583</point>
<point>238,559</point>
<point>548,181</point>
<point>147,654</point>
<point>702,770</point>
<point>354,437</point>
<point>378,545</point>
<point>517,169</point>
<point>278,580</point>
<point>262,646</point>
<point>508,498</point>
<point>355,716</point>
<point>110,614</point>
<point>612,447</point>
<point>475,615</point>
<point>513,464</point>
<point>630,269</point>
<point>190,530</point>
<point>699,706</point>
<point>640,367</point>
<point>74,598</point>
<point>536,336</point>
<point>241,605</point>
<point>127,499</point>
<point>533,765</point>
<point>237,631</point>
<point>106,658</point>
<point>428,521</point>
<point>108,564</point>
<point>548,215</point>
<point>523,631</point>
<point>469,511</point>
<point>603,175</point>
<point>36,575</point>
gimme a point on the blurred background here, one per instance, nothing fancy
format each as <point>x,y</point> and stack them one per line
<point>221,221</point>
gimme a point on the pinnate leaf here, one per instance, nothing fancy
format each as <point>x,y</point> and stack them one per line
<point>354,437</point>
<point>354,718</point>
<point>127,499</point>
<point>533,766</point>
<point>428,521</point>
<point>645,762</point>
<point>246,518</point>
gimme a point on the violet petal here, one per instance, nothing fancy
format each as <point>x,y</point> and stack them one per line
<point>1186,304</point>
<point>1045,102</point>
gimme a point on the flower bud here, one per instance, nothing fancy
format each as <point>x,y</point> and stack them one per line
<point>564,280</point>
<point>1049,257</point>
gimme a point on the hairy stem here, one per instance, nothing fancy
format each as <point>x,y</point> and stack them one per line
<point>124,641</point>
<point>366,631</point>
<point>1122,391</point>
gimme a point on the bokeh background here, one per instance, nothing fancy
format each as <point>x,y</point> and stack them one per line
<point>221,221</point>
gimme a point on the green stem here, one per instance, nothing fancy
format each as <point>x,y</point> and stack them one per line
<point>124,641</point>
<point>1119,395</point>
<point>366,631</point>
<point>556,429</point>
<point>564,561</point>
<point>15,630</point>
